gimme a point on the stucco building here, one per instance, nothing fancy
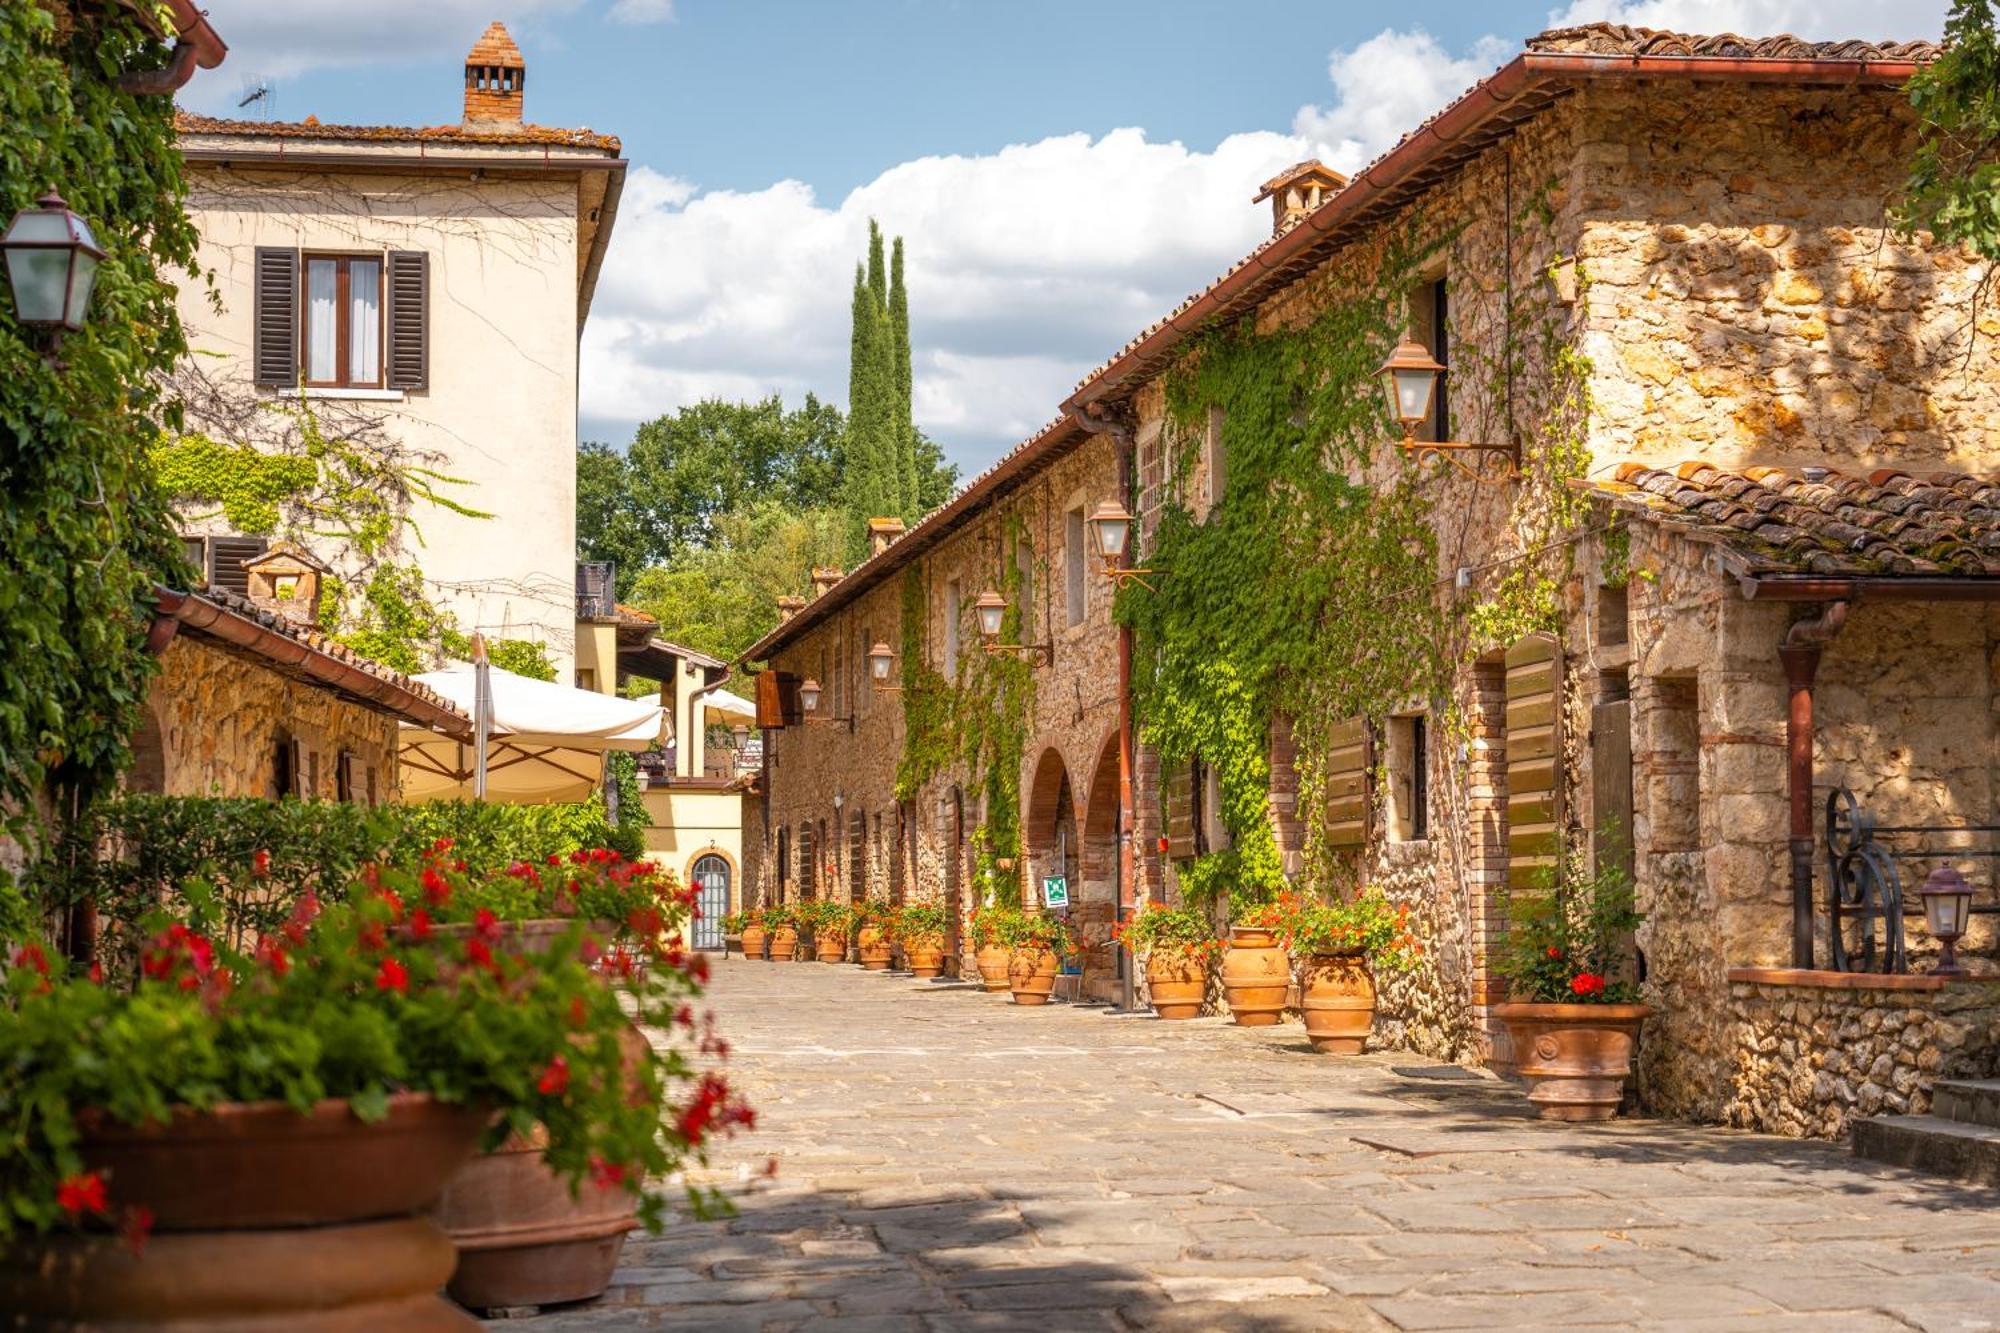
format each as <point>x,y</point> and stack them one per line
<point>1728,418</point>
<point>423,290</point>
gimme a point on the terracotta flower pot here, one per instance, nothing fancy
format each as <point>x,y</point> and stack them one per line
<point>523,1238</point>
<point>926,957</point>
<point>754,941</point>
<point>1338,996</point>
<point>785,944</point>
<point>832,947</point>
<point>876,950</point>
<point>1031,975</point>
<point>263,1218</point>
<point>1177,985</point>
<point>1575,1057</point>
<point>1255,976</point>
<point>992,960</point>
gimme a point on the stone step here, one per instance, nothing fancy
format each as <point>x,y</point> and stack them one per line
<point>1929,1143</point>
<point>1971,1101</point>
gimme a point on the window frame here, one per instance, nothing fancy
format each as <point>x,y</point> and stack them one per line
<point>343,318</point>
<point>1076,579</point>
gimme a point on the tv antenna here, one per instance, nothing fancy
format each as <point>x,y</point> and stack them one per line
<point>260,93</point>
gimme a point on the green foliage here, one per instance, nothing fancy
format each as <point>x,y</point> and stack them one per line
<point>157,844</point>
<point>930,702</point>
<point>922,923</point>
<point>85,531</point>
<point>1173,934</point>
<point>664,497</point>
<point>1018,930</point>
<point>1953,190</point>
<point>722,597</point>
<point>523,657</point>
<point>1572,943</point>
<point>1367,924</point>
<point>1308,592</point>
<point>248,484</point>
<point>359,1002</point>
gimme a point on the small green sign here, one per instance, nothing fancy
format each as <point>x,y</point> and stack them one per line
<point>1055,891</point>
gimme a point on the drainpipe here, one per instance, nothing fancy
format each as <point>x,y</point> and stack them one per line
<point>1800,657</point>
<point>1097,419</point>
<point>196,43</point>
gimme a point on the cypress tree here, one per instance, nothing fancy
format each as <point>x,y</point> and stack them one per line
<point>870,470</point>
<point>904,423</point>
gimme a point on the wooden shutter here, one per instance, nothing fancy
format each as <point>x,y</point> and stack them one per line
<point>1349,756</point>
<point>1534,759</point>
<point>225,562</point>
<point>274,341</point>
<point>409,362</point>
<point>778,703</point>
<point>1179,780</point>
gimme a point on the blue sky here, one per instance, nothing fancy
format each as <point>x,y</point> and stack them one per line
<point>1065,172</point>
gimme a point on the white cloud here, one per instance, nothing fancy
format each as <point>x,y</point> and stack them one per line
<point>1818,20</point>
<point>1386,87</point>
<point>1026,267</point>
<point>642,11</point>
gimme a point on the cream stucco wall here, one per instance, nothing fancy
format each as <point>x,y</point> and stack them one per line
<point>500,410</point>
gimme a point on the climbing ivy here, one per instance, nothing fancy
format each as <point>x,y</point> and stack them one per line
<point>84,530</point>
<point>1310,589</point>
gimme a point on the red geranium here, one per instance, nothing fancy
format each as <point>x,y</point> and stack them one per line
<point>392,975</point>
<point>77,1195</point>
<point>1587,983</point>
<point>555,1079</point>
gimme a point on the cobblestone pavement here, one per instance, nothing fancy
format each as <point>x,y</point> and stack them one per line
<point>949,1161</point>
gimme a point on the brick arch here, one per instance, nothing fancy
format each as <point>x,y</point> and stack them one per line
<point>1049,825</point>
<point>1098,827</point>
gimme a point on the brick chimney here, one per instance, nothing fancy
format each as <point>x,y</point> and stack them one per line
<point>824,577</point>
<point>882,532</point>
<point>789,607</point>
<point>494,76</point>
<point>1297,191</point>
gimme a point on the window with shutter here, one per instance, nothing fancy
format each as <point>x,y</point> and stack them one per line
<point>409,320</point>
<point>274,342</point>
<point>1534,765</point>
<point>226,555</point>
<point>1178,781</point>
<point>1347,787</point>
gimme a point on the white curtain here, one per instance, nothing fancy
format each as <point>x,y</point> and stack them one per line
<point>321,324</point>
<point>364,321</point>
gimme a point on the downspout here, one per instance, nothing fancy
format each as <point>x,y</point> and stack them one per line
<point>1097,419</point>
<point>162,82</point>
<point>1800,655</point>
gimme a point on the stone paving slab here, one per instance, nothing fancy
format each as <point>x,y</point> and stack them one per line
<point>950,1163</point>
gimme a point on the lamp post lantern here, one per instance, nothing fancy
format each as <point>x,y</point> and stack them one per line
<point>991,609</point>
<point>52,260</point>
<point>1947,899</point>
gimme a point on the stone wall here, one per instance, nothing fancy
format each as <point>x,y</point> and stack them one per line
<point>216,721</point>
<point>1807,1059</point>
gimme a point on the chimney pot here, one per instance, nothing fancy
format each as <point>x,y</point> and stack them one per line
<point>1297,191</point>
<point>495,75</point>
<point>882,533</point>
<point>824,577</point>
<point>789,607</point>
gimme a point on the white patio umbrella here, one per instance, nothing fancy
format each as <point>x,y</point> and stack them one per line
<point>546,742</point>
<point>721,708</point>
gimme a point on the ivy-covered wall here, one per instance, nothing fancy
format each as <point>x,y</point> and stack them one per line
<point>84,531</point>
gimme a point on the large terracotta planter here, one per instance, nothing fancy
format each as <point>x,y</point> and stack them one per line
<point>832,947</point>
<point>785,945</point>
<point>1255,976</point>
<point>1575,1057</point>
<point>1177,985</point>
<point>263,1218</point>
<point>522,1239</point>
<point>876,950</point>
<point>1031,975</point>
<point>754,941</point>
<point>926,958</point>
<point>1338,996</point>
<point>992,961</point>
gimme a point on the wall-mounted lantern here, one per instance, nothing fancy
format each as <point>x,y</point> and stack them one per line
<point>880,660</point>
<point>809,694</point>
<point>991,609</point>
<point>1111,533</point>
<point>1410,378</point>
<point>52,263</point>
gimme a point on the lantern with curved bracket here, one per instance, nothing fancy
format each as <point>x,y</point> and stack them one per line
<point>991,610</point>
<point>1111,533</point>
<point>1410,377</point>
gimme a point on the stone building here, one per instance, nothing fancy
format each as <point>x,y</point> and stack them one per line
<point>415,293</point>
<point>253,701</point>
<point>1731,429</point>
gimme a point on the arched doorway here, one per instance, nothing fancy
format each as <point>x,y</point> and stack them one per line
<point>710,876</point>
<point>1100,897</point>
<point>1051,826</point>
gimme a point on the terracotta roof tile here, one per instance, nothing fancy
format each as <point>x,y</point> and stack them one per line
<point>496,47</point>
<point>187,123</point>
<point>1780,521</point>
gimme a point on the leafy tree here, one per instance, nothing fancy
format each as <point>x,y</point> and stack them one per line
<point>1954,185</point>
<point>909,483</point>
<point>723,597</point>
<point>664,495</point>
